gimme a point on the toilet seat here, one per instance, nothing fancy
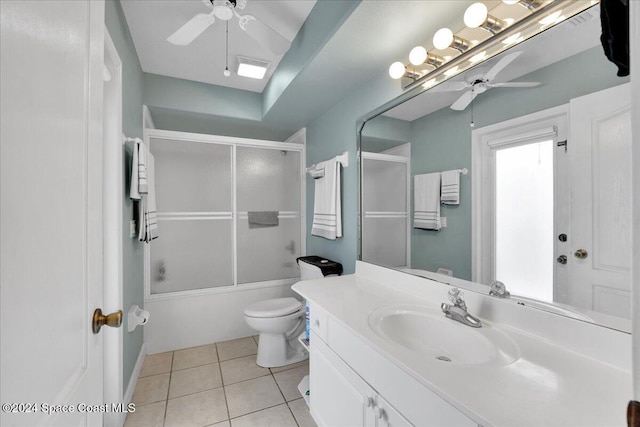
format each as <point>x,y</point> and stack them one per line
<point>276,307</point>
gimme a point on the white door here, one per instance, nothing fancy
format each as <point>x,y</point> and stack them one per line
<point>600,146</point>
<point>51,210</point>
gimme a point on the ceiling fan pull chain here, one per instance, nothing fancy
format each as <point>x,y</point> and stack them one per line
<point>472,124</point>
<point>227,73</point>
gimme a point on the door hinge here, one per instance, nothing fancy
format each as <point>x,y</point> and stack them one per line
<point>563,144</point>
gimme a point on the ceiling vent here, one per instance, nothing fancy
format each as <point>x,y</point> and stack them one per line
<point>252,68</point>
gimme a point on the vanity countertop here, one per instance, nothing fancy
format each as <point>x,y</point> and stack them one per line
<point>547,385</point>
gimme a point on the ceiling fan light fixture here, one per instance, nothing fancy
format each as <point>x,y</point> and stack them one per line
<point>222,9</point>
<point>252,68</point>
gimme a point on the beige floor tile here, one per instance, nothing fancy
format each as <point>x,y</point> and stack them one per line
<point>197,410</point>
<point>237,348</point>
<point>241,369</point>
<point>195,356</point>
<point>253,395</point>
<point>151,389</point>
<point>257,339</point>
<point>155,364</point>
<point>193,380</point>
<point>301,413</point>
<point>151,415</point>
<point>288,381</point>
<point>287,367</point>
<point>278,416</point>
<point>222,424</point>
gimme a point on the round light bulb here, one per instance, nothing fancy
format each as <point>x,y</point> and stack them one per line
<point>227,73</point>
<point>418,55</point>
<point>475,15</point>
<point>396,70</point>
<point>510,2</point>
<point>443,38</point>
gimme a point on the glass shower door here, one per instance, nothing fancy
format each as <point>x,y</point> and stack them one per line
<point>194,198</point>
<point>268,188</point>
<point>385,209</point>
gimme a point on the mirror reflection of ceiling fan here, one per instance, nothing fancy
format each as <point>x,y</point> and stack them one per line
<point>225,10</point>
<point>481,83</point>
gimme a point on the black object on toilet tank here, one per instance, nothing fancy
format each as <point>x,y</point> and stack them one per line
<point>325,265</point>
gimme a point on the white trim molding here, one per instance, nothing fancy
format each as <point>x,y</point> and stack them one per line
<point>550,122</point>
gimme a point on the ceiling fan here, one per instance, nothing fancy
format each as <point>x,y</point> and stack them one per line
<point>225,10</point>
<point>481,83</point>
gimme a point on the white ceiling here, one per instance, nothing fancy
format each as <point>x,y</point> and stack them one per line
<point>152,21</point>
<point>569,38</point>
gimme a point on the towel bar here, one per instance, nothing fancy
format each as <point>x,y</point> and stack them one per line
<point>126,139</point>
<point>342,158</point>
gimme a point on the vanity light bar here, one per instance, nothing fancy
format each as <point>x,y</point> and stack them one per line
<point>503,34</point>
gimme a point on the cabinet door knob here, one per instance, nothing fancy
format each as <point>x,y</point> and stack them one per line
<point>316,323</point>
<point>368,402</point>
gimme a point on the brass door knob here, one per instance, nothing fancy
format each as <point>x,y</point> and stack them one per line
<point>562,259</point>
<point>114,320</point>
<point>581,254</point>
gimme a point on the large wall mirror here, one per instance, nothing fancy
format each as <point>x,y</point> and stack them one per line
<point>517,170</point>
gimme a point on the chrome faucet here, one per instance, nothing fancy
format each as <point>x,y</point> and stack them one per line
<point>498,289</point>
<point>458,311</point>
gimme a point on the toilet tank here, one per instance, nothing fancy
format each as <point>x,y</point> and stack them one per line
<point>315,267</point>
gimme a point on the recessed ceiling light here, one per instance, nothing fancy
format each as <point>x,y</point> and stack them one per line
<point>252,68</point>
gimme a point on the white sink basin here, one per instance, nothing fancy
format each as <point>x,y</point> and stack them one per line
<point>432,335</point>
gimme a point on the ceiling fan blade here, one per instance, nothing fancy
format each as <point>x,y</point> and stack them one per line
<point>462,102</point>
<point>267,37</point>
<point>451,86</point>
<point>515,84</point>
<point>192,29</point>
<point>493,72</point>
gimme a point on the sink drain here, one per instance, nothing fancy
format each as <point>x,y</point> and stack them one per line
<point>443,358</point>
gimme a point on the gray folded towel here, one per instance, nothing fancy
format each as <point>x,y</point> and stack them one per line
<point>259,219</point>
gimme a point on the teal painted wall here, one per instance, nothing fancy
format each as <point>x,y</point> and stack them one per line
<point>323,21</point>
<point>201,98</point>
<point>169,119</point>
<point>328,136</point>
<point>442,141</point>
<point>132,251</point>
<point>383,133</point>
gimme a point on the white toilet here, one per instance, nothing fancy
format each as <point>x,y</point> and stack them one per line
<point>280,321</point>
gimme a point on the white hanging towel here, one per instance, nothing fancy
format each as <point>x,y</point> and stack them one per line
<point>148,217</point>
<point>450,191</point>
<point>139,183</point>
<point>327,208</point>
<point>426,200</point>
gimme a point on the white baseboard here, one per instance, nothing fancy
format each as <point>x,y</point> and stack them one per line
<point>128,395</point>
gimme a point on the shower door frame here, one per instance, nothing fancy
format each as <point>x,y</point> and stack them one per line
<point>233,142</point>
<point>392,158</point>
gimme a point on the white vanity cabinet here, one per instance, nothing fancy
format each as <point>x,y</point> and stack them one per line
<point>339,397</point>
<point>353,385</point>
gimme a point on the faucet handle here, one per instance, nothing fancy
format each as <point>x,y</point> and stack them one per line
<point>456,296</point>
<point>498,289</point>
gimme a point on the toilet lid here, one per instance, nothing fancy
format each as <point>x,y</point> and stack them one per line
<point>273,307</point>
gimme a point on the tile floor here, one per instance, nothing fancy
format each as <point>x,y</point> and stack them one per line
<point>218,385</point>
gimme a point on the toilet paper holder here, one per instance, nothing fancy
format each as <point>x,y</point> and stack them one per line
<point>135,317</point>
